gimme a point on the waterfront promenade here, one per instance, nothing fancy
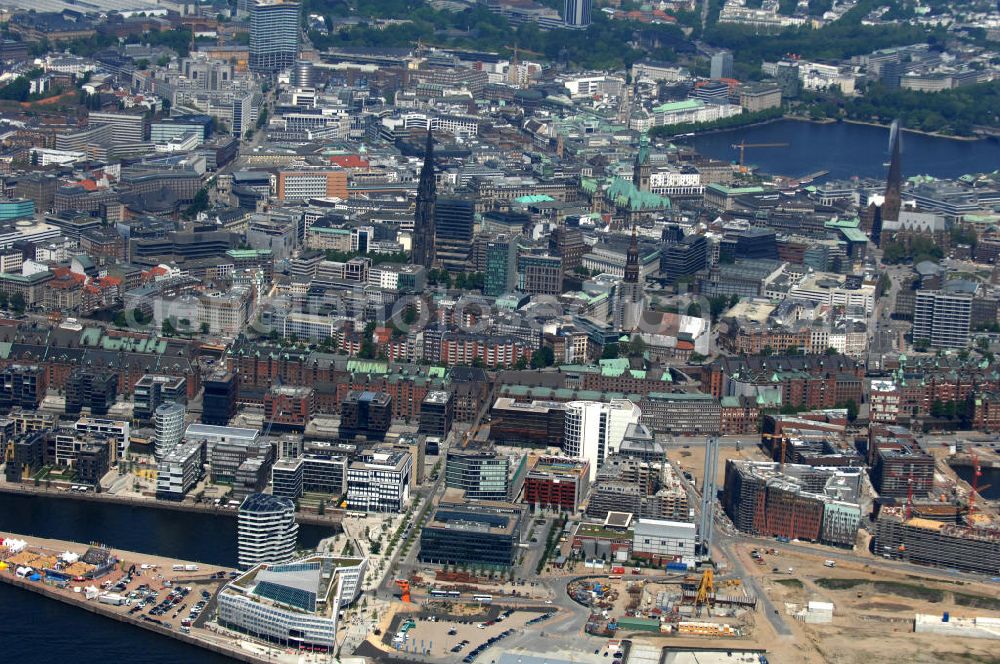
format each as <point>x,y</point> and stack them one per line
<point>331,518</point>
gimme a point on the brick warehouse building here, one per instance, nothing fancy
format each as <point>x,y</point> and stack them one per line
<point>811,381</point>
<point>129,355</point>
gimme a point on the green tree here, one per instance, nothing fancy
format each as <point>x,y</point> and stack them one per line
<point>694,309</point>
<point>609,352</point>
<point>543,357</point>
<point>167,328</point>
<point>198,204</point>
<point>18,303</point>
<point>204,328</point>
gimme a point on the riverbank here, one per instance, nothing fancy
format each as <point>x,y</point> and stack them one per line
<point>333,518</point>
<point>157,573</point>
<point>907,130</point>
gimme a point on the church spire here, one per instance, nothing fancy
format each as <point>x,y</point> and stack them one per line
<point>632,259</point>
<point>423,221</point>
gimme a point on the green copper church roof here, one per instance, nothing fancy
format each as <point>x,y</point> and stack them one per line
<point>627,195</point>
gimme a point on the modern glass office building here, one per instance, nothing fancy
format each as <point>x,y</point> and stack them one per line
<point>294,604</point>
<point>274,35</point>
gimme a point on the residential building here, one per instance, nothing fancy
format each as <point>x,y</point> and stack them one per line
<point>22,386</point>
<point>266,530</point>
<point>153,390</point>
<point>941,318</point>
<point>93,389</point>
<point>168,427</point>
<point>593,429</point>
<point>180,470</point>
<point>556,483</point>
<point>286,478</point>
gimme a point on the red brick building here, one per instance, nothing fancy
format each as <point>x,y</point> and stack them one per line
<point>557,483</point>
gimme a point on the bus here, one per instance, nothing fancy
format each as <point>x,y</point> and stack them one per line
<point>437,592</point>
<point>483,599</point>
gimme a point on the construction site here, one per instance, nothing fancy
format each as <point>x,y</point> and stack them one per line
<point>846,610</point>
<point>681,604</point>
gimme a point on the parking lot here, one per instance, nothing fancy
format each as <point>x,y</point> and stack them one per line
<point>464,639</point>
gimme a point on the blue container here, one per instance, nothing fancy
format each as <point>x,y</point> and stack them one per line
<point>945,617</point>
<point>682,567</point>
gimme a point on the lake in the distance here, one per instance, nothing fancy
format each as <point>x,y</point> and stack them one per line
<point>848,150</point>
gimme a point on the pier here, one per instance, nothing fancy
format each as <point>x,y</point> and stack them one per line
<point>114,583</point>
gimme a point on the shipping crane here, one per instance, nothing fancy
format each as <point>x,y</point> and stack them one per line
<point>743,145</point>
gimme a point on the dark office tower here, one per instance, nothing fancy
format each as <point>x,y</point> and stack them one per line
<point>274,35</point>
<point>453,223</point>
<point>437,411</point>
<point>684,258</point>
<point>93,389</point>
<point>219,400</point>
<point>642,168</point>
<point>367,414</point>
<point>423,221</point>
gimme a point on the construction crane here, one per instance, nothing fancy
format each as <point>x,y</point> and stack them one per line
<point>706,590</point>
<point>404,587</point>
<point>909,495</point>
<point>743,145</point>
<point>977,472</point>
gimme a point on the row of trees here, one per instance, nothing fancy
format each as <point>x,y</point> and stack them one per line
<point>606,44</point>
<point>957,111</point>
<point>741,120</point>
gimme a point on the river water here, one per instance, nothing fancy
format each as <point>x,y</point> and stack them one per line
<point>847,150</point>
<point>43,631</point>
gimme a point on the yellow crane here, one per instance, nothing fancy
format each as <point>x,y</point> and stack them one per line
<point>706,590</point>
<point>743,145</point>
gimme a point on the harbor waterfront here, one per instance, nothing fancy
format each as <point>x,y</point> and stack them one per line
<point>846,149</point>
<point>331,519</point>
<point>126,574</point>
<point>133,527</point>
<point>70,634</point>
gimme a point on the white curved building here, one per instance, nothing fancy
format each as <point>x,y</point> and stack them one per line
<point>594,429</point>
<point>168,426</point>
<point>266,531</point>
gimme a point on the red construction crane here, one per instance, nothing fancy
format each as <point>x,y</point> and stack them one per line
<point>976,474</point>
<point>909,495</point>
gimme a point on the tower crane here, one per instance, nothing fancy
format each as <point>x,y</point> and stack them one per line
<point>977,472</point>
<point>743,145</point>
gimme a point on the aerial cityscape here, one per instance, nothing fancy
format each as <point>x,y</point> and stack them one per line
<point>500,331</point>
